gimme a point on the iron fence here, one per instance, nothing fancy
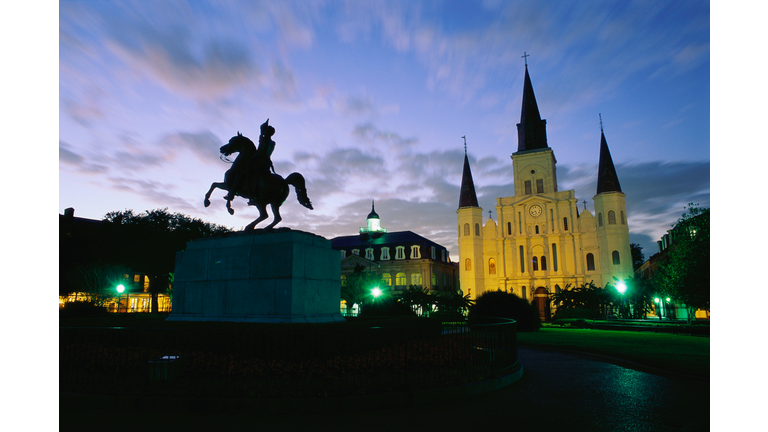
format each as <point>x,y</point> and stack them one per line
<point>284,360</point>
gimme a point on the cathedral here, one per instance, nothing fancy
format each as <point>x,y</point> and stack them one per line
<point>540,241</point>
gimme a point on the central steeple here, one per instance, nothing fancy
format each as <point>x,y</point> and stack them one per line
<point>467,196</point>
<point>532,130</point>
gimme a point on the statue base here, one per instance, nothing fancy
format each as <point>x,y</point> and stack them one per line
<point>274,276</point>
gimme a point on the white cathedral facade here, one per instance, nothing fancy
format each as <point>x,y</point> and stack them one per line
<point>540,241</point>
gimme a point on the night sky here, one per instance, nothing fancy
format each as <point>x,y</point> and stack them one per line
<point>370,101</point>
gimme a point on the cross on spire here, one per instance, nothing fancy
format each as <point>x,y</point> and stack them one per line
<point>465,144</point>
<point>601,121</point>
<point>585,204</point>
<point>525,56</point>
<point>489,214</point>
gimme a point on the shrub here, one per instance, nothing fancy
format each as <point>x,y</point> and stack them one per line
<point>506,305</point>
<point>576,313</point>
<point>386,307</point>
<point>81,309</point>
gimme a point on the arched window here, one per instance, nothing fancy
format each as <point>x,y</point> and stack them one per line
<point>477,229</point>
<point>509,228</point>
<point>615,256</point>
<point>599,219</point>
<point>401,279</point>
<point>525,295</point>
<point>385,253</point>
<point>535,262</point>
<point>400,252</point>
<point>543,263</point>
<point>434,279</point>
<point>369,254</point>
<point>492,266</point>
<point>386,279</point>
<point>522,260</point>
<point>611,217</point>
<point>537,229</point>
<point>623,222</point>
<point>416,279</point>
<point>466,229</point>
<point>468,264</point>
<point>415,252</point>
<point>565,223</point>
<point>590,262</point>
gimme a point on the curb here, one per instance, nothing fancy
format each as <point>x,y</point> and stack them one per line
<point>622,362</point>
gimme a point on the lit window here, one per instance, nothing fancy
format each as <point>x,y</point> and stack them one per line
<point>415,252</point>
<point>590,262</point>
<point>386,279</point>
<point>400,279</point>
<point>385,253</point>
<point>343,280</point>
<point>416,278</point>
<point>615,256</point>
<point>400,252</point>
<point>611,217</point>
<point>491,266</point>
<point>434,279</point>
<point>369,254</point>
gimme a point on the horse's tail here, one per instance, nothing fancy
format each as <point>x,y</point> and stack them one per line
<point>297,181</point>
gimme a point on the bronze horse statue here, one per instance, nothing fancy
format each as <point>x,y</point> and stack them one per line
<point>251,171</point>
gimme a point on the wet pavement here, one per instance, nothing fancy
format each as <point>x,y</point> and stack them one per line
<point>559,391</point>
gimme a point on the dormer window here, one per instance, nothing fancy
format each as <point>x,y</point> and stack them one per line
<point>385,254</point>
<point>369,254</point>
<point>343,254</point>
<point>356,252</point>
<point>415,252</point>
<point>400,252</point>
<point>432,251</point>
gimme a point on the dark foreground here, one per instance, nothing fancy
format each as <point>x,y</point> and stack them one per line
<point>558,391</point>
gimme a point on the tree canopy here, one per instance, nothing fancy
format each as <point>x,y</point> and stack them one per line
<point>685,274</point>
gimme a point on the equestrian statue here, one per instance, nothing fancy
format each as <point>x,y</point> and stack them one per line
<point>253,176</point>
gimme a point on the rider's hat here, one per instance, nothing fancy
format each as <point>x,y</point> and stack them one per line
<point>267,130</point>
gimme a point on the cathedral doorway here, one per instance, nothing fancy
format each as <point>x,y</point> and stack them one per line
<point>541,299</point>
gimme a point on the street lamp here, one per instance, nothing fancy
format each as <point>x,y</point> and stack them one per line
<point>660,307</point>
<point>621,287</point>
<point>376,292</point>
<point>120,289</point>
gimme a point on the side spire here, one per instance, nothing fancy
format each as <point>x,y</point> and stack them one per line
<point>467,197</point>
<point>607,180</point>
<point>532,130</point>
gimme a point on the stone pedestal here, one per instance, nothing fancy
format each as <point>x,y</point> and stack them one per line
<point>278,276</point>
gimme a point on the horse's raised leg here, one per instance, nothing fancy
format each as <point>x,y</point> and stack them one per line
<point>229,207</point>
<point>262,215</point>
<point>207,201</point>
<point>275,216</point>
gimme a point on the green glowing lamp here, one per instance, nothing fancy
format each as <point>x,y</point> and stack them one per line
<point>376,292</point>
<point>621,287</point>
<point>120,288</point>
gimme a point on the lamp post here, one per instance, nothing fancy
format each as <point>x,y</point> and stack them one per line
<point>621,287</point>
<point>660,308</point>
<point>120,289</point>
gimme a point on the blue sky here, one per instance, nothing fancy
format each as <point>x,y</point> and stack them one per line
<point>370,101</point>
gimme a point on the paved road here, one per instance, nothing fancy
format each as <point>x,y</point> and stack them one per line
<point>558,392</point>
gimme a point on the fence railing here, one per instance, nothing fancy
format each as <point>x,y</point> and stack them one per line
<point>284,361</point>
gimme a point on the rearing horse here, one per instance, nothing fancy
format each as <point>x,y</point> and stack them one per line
<point>260,186</point>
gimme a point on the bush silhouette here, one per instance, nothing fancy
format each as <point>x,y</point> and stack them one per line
<point>505,305</point>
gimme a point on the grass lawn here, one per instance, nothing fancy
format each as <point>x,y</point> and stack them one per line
<point>677,353</point>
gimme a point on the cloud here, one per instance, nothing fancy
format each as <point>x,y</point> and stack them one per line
<point>369,133</point>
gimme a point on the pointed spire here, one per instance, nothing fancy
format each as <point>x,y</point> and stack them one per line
<point>372,214</point>
<point>607,180</point>
<point>532,130</point>
<point>468,197</point>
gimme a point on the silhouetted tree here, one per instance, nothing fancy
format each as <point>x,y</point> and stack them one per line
<point>637,255</point>
<point>685,274</point>
<point>358,285</point>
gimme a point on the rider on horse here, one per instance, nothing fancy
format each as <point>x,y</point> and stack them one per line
<point>259,165</point>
